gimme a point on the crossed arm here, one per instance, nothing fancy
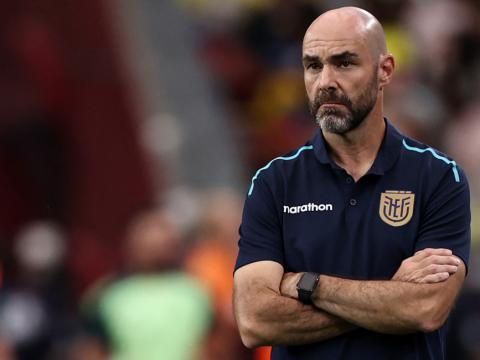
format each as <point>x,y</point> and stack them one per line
<point>266,317</point>
<point>418,298</point>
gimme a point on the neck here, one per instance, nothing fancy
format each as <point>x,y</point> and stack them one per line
<point>356,150</point>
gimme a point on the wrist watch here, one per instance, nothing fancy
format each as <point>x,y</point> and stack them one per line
<point>306,285</point>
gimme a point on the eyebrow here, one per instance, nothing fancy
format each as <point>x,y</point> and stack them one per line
<point>333,58</point>
<point>344,55</point>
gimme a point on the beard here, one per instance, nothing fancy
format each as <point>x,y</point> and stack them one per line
<point>339,120</point>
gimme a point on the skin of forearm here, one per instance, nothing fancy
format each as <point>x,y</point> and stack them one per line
<point>384,306</point>
<point>268,318</point>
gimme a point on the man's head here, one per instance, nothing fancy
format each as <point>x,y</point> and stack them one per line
<point>152,243</point>
<point>346,66</point>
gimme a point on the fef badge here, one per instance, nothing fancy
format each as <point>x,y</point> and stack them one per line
<point>396,207</point>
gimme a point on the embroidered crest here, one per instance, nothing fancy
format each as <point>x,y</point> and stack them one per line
<point>396,207</point>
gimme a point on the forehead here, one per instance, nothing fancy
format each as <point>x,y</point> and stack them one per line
<point>324,40</point>
<point>327,47</point>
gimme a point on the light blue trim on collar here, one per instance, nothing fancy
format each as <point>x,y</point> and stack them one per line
<point>303,148</point>
<point>439,157</point>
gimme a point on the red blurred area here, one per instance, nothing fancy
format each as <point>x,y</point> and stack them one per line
<point>68,145</point>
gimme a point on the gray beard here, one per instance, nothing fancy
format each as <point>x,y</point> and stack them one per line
<point>340,123</point>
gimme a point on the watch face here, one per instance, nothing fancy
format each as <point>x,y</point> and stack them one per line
<point>308,281</point>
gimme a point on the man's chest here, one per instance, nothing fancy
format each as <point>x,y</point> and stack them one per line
<point>361,230</point>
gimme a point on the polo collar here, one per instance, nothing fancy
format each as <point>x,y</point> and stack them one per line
<point>386,157</point>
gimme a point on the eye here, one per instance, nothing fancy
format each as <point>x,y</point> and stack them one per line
<point>345,63</point>
<point>314,66</point>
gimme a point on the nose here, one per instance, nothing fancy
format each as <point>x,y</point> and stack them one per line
<point>326,79</point>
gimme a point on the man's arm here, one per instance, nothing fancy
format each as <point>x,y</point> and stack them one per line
<point>265,317</point>
<point>393,307</point>
<point>390,306</point>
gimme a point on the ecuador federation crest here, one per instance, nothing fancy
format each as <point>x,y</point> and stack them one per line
<point>396,207</point>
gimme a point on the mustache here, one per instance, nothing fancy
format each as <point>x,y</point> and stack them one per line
<point>329,97</point>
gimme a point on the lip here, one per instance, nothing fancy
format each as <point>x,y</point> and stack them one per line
<point>331,104</point>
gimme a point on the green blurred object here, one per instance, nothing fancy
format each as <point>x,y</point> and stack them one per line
<point>155,316</point>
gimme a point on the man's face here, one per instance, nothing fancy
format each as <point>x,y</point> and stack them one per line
<point>341,80</point>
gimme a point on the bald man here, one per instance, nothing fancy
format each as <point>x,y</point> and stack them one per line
<point>356,244</point>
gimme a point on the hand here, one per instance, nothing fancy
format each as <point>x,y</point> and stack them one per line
<point>428,266</point>
<point>288,286</point>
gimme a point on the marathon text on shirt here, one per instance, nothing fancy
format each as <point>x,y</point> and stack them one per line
<point>307,208</point>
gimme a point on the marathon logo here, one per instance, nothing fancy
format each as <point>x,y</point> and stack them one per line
<point>307,208</point>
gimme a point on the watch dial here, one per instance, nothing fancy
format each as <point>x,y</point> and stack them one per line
<point>307,281</point>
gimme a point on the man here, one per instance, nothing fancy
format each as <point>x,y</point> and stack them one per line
<point>353,246</point>
<point>155,310</point>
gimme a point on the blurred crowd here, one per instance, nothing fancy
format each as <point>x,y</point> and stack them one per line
<point>161,281</point>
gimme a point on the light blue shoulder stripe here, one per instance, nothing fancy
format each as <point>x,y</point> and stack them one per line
<point>303,148</point>
<point>435,155</point>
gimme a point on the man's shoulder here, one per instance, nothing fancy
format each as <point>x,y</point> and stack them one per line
<point>427,157</point>
<point>283,165</point>
<point>419,149</point>
<point>292,158</point>
<point>438,170</point>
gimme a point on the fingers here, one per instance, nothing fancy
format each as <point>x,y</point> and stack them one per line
<point>436,264</point>
<point>428,266</point>
<point>421,254</point>
<point>288,286</point>
<point>440,260</point>
<point>435,278</point>
<point>436,269</point>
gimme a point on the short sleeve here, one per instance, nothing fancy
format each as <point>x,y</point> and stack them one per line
<point>446,219</point>
<point>260,230</point>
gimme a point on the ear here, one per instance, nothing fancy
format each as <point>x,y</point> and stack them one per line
<point>386,67</point>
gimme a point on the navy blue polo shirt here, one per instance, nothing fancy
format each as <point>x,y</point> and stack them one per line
<point>306,213</point>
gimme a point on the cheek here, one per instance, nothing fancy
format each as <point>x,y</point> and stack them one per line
<point>356,85</point>
<point>309,86</point>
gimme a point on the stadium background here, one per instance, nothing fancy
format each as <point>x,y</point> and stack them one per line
<point>108,108</point>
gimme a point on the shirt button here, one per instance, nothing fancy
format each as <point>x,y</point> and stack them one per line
<point>353,202</point>
<point>349,180</point>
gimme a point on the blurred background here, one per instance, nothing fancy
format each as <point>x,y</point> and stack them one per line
<point>129,131</point>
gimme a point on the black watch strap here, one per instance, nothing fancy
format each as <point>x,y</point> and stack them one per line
<point>306,285</point>
<point>305,296</point>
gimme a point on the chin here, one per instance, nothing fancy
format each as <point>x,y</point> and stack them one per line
<point>334,124</point>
